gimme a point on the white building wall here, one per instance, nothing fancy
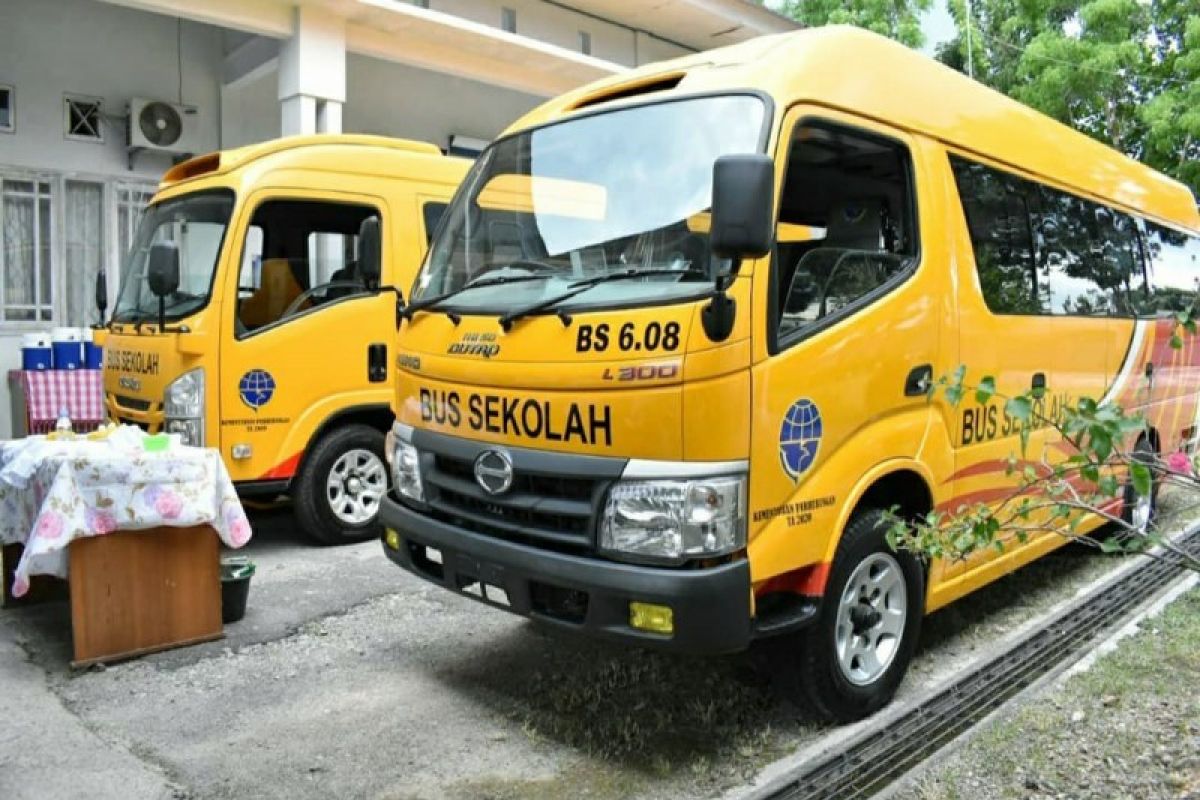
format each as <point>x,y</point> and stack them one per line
<point>561,26</point>
<point>384,98</point>
<point>52,47</point>
<point>398,100</point>
<point>49,48</point>
<point>250,111</point>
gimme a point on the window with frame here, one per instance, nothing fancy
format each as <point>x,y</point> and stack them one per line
<point>847,226</point>
<point>298,255</point>
<point>996,206</point>
<point>83,118</point>
<point>8,111</point>
<point>1088,254</point>
<point>432,213</point>
<point>26,287</point>
<point>1174,271</point>
<point>1039,250</point>
<point>83,240</point>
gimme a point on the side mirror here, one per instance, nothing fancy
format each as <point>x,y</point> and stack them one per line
<point>743,218</point>
<point>101,294</point>
<point>162,268</point>
<point>369,248</point>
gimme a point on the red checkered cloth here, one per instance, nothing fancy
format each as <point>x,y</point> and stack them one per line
<point>47,392</point>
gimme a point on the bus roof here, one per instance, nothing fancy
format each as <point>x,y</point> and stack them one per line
<point>311,152</point>
<point>863,73</point>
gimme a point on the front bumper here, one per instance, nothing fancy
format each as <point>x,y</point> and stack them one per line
<point>711,607</point>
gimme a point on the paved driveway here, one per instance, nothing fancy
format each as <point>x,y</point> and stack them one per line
<point>349,678</point>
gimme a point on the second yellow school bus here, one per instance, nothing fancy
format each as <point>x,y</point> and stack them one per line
<point>665,365</point>
<point>273,340</point>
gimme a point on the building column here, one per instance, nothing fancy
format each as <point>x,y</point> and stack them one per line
<point>329,116</point>
<point>312,73</point>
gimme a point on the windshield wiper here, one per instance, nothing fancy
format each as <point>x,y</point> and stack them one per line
<point>432,303</point>
<point>579,287</point>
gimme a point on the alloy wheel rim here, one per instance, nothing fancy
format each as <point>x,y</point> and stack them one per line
<point>356,484</point>
<point>871,615</point>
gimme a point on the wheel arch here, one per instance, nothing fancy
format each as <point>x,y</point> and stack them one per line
<point>374,415</point>
<point>906,483</point>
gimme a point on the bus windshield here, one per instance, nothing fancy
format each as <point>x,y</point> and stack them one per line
<point>196,223</point>
<point>619,191</point>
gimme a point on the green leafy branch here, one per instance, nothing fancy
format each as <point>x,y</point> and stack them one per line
<point>1105,468</point>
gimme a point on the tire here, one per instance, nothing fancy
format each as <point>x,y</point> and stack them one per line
<point>1139,512</point>
<point>344,507</point>
<point>806,666</point>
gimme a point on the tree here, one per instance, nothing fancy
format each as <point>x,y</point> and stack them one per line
<point>1125,72</point>
<point>896,19</point>
<point>1172,116</point>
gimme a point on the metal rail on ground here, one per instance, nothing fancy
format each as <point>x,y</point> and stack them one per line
<point>871,763</point>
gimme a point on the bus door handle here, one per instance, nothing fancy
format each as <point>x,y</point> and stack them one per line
<point>918,381</point>
<point>1038,384</point>
<point>377,363</point>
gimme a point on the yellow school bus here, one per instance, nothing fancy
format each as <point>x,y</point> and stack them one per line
<point>665,364</point>
<point>256,313</point>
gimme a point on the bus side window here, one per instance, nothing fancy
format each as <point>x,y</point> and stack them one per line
<point>846,225</point>
<point>1039,250</point>
<point>304,254</point>
<point>1174,271</point>
<point>432,214</point>
<point>1089,253</point>
<point>250,274</point>
<point>996,206</point>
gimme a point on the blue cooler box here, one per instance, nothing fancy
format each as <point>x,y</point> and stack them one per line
<point>35,351</point>
<point>93,354</point>
<point>67,347</point>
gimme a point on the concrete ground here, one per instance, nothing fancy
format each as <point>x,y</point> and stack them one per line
<point>349,678</point>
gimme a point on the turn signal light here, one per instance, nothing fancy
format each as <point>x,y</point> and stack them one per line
<point>392,539</point>
<point>652,618</point>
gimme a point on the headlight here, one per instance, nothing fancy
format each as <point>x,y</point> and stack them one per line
<point>184,396</point>
<point>183,407</point>
<point>190,430</point>
<point>674,520</point>
<point>406,471</point>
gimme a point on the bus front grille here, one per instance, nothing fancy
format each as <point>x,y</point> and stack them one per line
<point>550,511</point>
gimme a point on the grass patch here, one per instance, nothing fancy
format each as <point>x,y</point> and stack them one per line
<point>1128,727</point>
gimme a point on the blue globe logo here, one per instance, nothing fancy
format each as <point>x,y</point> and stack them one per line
<point>256,388</point>
<point>799,437</point>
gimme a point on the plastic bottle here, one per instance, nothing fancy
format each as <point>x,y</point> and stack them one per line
<point>63,425</point>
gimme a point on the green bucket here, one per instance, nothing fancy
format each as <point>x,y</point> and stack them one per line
<point>236,573</point>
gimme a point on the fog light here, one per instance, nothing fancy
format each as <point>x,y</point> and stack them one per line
<point>392,539</point>
<point>649,617</point>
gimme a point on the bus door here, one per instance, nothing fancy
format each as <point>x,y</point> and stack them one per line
<point>304,331</point>
<point>1004,332</point>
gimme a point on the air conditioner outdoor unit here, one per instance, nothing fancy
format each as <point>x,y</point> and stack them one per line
<point>162,126</point>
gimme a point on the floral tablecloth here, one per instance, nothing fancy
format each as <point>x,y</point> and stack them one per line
<point>52,492</point>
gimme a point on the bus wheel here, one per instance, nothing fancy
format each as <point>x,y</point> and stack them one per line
<point>1139,510</point>
<point>340,486</point>
<point>848,664</point>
